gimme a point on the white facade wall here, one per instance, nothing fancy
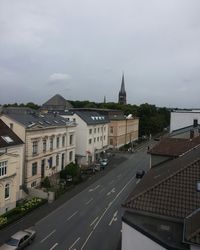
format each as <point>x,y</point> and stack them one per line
<point>98,139</point>
<point>13,177</point>
<point>181,119</point>
<point>192,247</point>
<point>134,240</point>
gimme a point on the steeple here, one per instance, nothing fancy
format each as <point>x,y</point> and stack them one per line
<point>122,92</point>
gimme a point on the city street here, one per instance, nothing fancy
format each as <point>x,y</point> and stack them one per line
<point>92,218</point>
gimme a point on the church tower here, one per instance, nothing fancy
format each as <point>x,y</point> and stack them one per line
<point>122,92</point>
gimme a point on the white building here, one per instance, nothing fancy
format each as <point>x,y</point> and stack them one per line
<point>91,134</point>
<point>184,118</point>
<point>49,143</point>
<point>11,168</point>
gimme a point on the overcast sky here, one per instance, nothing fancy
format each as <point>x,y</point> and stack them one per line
<point>79,48</point>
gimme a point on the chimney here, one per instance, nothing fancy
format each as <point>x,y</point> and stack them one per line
<point>191,134</point>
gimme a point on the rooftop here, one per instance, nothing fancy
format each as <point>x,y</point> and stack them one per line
<point>174,146</point>
<point>8,137</point>
<point>34,119</point>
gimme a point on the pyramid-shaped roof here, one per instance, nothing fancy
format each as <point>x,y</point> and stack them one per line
<point>57,102</point>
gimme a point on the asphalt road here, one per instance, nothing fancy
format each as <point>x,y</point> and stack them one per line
<point>92,219</point>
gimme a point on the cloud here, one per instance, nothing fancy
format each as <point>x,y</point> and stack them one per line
<point>59,78</point>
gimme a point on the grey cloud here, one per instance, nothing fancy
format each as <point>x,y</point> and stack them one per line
<point>156,43</point>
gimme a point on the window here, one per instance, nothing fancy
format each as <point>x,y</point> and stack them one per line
<point>97,138</point>
<point>104,137</point>
<point>90,131</point>
<point>71,140</point>
<point>35,147</point>
<point>34,168</point>
<point>44,145</point>
<point>101,138</point>
<point>95,130</point>
<point>3,168</point>
<point>111,141</point>
<point>195,123</point>
<point>70,155</point>
<point>58,142</point>
<point>57,160</point>
<point>63,141</point>
<point>33,184</point>
<point>101,129</point>
<point>11,126</point>
<point>51,143</point>
<point>111,130</point>
<point>7,139</point>
<point>50,162</point>
<point>98,130</point>
<point>94,139</point>
<point>104,128</point>
<point>7,191</point>
<point>90,141</point>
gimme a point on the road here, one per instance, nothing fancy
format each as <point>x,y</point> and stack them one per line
<point>88,216</point>
<point>92,219</point>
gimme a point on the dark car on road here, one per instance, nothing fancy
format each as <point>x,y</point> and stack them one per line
<point>140,173</point>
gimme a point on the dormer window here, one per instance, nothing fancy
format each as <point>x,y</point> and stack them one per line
<point>7,139</point>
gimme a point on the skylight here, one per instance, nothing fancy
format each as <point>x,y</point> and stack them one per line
<point>7,139</point>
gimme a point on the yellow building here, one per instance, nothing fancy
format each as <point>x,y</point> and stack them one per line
<point>122,130</point>
<point>49,143</point>
<point>11,168</point>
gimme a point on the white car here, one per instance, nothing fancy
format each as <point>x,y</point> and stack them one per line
<point>104,162</point>
<point>19,240</point>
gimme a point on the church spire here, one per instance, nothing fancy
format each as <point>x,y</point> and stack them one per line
<point>122,92</point>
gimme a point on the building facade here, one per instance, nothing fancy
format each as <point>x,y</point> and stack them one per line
<point>184,118</point>
<point>11,168</point>
<point>49,144</point>
<point>123,130</point>
<point>91,135</point>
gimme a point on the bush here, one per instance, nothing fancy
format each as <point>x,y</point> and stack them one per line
<point>25,207</point>
<point>46,183</point>
<point>70,170</point>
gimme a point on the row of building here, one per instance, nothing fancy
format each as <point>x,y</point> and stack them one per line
<point>39,144</point>
<point>163,211</point>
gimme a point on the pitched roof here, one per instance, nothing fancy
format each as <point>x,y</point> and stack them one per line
<point>57,101</point>
<point>174,146</point>
<point>92,117</point>
<point>192,227</point>
<point>8,137</point>
<point>169,190</point>
<point>30,120</point>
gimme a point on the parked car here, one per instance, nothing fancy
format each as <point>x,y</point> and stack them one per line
<point>104,162</point>
<point>19,240</point>
<point>140,173</point>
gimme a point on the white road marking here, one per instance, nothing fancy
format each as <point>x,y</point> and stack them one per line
<point>72,215</point>
<point>53,246</point>
<point>101,190</point>
<point>47,236</point>
<point>93,189</point>
<point>88,202</point>
<point>107,208</point>
<point>112,191</point>
<point>94,221</point>
<point>74,243</point>
<point>114,218</point>
<point>137,181</point>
